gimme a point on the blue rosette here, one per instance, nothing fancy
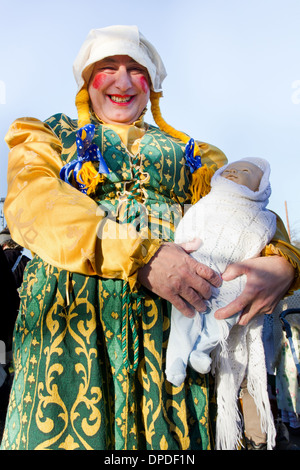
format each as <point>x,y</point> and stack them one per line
<point>86,152</point>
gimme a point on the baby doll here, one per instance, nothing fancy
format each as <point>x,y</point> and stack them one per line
<point>233,224</point>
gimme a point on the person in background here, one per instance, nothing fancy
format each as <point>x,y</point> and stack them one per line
<point>14,268</point>
<point>96,199</point>
<point>9,305</point>
<point>16,259</point>
<point>283,369</point>
<point>13,263</point>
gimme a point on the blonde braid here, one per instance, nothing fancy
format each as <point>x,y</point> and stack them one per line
<point>200,182</point>
<point>83,107</point>
<point>163,125</point>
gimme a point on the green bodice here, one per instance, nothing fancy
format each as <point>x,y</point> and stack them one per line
<point>156,176</point>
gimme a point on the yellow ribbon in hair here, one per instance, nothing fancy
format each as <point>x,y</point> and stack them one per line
<point>84,172</point>
<point>200,184</point>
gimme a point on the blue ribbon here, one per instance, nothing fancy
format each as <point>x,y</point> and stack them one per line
<point>87,152</point>
<point>192,162</point>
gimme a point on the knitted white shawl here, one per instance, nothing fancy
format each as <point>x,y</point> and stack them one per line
<point>233,224</point>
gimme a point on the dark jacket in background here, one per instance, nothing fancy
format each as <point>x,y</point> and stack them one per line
<point>9,283</point>
<point>12,256</point>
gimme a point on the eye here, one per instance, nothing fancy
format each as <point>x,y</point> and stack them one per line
<point>105,68</point>
<point>108,68</point>
<point>136,71</point>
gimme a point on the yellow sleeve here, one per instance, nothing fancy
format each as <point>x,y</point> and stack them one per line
<point>211,155</point>
<point>281,245</point>
<point>56,221</point>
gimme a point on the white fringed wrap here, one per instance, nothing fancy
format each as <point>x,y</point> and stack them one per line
<point>243,357</point>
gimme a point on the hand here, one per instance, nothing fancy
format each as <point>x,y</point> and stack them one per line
<point>268,280</point>
<point>177,277</point>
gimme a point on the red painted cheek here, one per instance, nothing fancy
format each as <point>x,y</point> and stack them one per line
<point>144,84</point>
<point>99,79</point>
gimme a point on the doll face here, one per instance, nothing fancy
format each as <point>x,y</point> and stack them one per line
<point>119,89</point>
<point>244,173</point>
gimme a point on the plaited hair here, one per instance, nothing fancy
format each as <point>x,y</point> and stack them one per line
<point>82,103</point>
<point>163,125</point>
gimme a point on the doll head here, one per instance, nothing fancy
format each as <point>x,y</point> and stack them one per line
<point>248,177</point>
<point>244,173</point>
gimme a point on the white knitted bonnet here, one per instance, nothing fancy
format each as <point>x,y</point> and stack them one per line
<point>264,190</point>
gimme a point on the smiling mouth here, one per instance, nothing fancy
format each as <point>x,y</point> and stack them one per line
<point>118,99</point>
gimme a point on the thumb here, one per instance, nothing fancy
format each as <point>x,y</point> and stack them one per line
<point>232,271</point>
<point>191,246</point>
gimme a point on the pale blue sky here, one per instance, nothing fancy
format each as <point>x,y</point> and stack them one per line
<point>233,72</point>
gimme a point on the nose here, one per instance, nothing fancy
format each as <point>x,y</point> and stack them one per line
<point>123,79</point>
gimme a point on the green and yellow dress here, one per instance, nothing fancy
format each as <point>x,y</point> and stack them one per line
<point>89,342</point>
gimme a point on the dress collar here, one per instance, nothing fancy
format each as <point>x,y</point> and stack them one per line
<point>130,134</point>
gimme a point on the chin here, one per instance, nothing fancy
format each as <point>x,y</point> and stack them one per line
<point>123,120</point>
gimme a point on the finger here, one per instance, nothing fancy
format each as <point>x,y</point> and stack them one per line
<point>256,308</point>
<point>185,277</point>
<point>245,318</point>
<point>232,271</point>
<point>183,307</point>
<point>204,272</point>
<point>191,246</point>
<point>193,298</point>
<point>236,306</point>
<point>192,287</point>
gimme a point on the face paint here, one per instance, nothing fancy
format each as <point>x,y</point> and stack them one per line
<point>98,80</point>
<point>144,84</point>
<point>119,90</point>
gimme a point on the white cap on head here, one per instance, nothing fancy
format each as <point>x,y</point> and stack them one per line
<point>264,167</point>
<point>118,40</point>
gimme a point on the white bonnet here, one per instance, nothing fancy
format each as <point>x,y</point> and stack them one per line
<point>118,40</point>
<point>265,168</point>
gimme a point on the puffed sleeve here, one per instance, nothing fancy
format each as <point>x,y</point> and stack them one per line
<point>56,221</point>
<point>211,155</point>
<point>281,245</point>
